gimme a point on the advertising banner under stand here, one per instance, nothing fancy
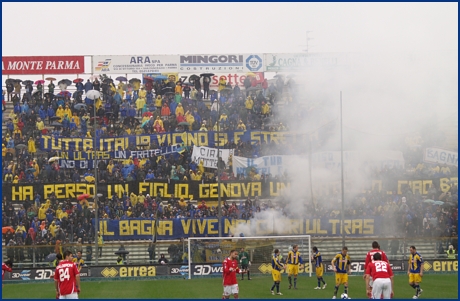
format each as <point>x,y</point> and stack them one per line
<point>127,64</point>
<point>34,65</point>
<point>39,273</point>
<point>214,63</point>
<point>292,62</point>
<point>129,271</point>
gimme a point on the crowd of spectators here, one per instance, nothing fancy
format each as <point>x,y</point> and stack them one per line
<point>52,222</point>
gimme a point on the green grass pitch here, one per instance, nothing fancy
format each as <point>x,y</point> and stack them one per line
<point>439,286</point>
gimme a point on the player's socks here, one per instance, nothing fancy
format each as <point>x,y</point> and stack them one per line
<point>295,282</point>
<point>319,282</point>
<point>290,282</point>
<point>345,289</point>
<point>249,275</point>
<point>273,287</point>
<point>277,287</point>
<point>336,288</point>
<point>417,290</point>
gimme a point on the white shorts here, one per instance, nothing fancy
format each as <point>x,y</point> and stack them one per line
<point>69,296</point>
<point>230,289</point>
<point>381,286</point>
<point>371,281</point>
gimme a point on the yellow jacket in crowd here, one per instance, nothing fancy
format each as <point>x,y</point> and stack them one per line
<point>42,212</point>
<point>51,229</point>
<point>201,167</point>
<point>40,125</point>
<point>222,84</point>
<point>265,109</point>
<point>60,113</point>
<point>249,103</point>
<point>178,89</point>
<point>241,126</point>
<point>31,146</point>
<point>133,198</point>
<point>158,101</point>
<point>67,111</point>
<point>180,110</point>
<point>140,102</point>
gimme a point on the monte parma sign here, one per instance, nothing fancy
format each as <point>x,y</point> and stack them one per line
<point>43,65</point>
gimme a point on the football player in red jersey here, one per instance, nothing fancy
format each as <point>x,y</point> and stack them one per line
<point>369,259</point>
<point>382,274</point>
<point>230,269</point>
<point>67,278</point>
<point>6,267</point>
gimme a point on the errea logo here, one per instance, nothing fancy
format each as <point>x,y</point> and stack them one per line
<point>109,272</point>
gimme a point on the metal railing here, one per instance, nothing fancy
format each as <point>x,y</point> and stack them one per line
<point>149,253</point>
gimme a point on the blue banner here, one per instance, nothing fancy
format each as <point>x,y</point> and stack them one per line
<point>211,139</point>
<point>85,160</point>
<point>180,228</point>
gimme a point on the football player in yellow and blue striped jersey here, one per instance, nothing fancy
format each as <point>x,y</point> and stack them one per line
<point>341,265</point>
<point>293,261</point>
<point>415,271</point>
<point>318,261</point>
<point>277,266</point>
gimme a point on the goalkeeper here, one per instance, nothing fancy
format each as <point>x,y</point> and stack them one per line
<point>243,257</point>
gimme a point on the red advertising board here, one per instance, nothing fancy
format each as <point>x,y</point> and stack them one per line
<point>42,65</point>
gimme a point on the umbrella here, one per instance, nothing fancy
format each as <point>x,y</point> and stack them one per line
<point>148,78</point>
<point>65,81</point>
<point>133,80</point>
<point>50,78</point>
<point>56,124</point>
<point>183,123</point>
<point>20,146</point>
<point>161,77</point>
<point>144,123</point>
<point>54,118</point>
<point>169,93</point>
<point>79,106</point>
<point>40,81</point>
<point>147,114</point>
<point>93,94</point>
<point>51,257</point>
<point>89,179</point>
<point>429,201</point>
<point>83,196</point>
<point>194,77</point>
<point>78,80</point>
<point>250,74</point>
<point>279,75</point>
<point>438,203</point>
<point>52,159</point>
<point>127,121</point>
<point>18,80</point>
<point>30,169</point>
<point>9,80</point>
<point>36,92</point>
<point>254,89</point>
<point>121,252</point>
<point>5,229</point>
<point>207,74</point>
<point>107,81</point>
<point>291,75</point>
<point>165,89</point>
<point>122,79</point>
<point>77,94</point>
<point>50,95</point>
<point>65,94</point>
<point>27,82</point>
